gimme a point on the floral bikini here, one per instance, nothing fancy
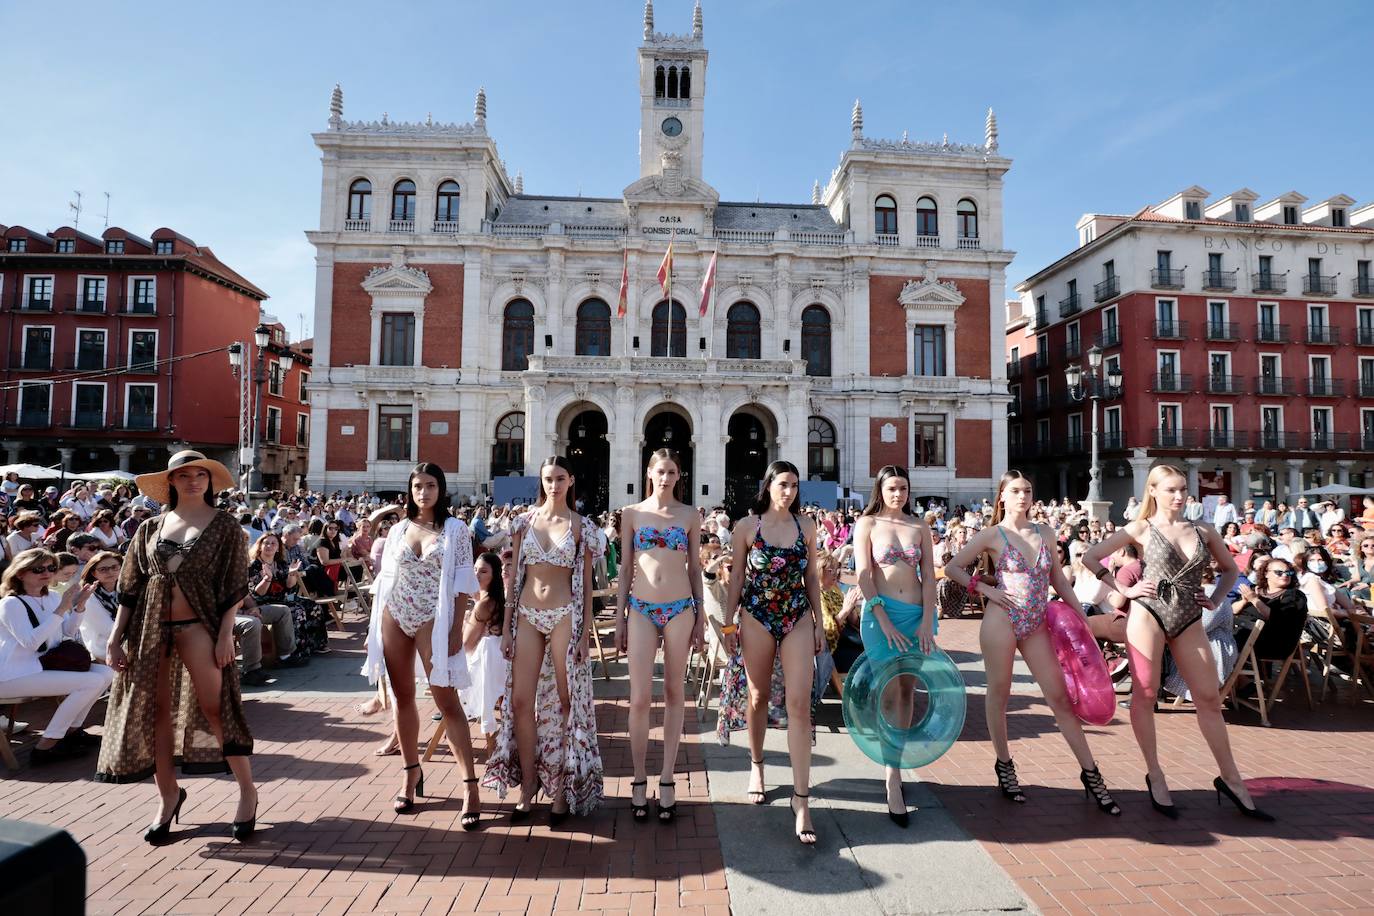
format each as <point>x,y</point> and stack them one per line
<point>649,538</point>
<point>1028,586</point>
<point>775,587</point>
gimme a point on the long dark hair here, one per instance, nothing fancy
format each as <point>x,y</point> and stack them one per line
<point>1330,574</point>
<point>764,500</point>
<point>441,505</point>
<point>497,592</point>
<point>667,454</point>
<point>558,461</point>
<point>875,504</point>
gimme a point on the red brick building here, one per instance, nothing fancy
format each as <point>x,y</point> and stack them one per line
<point>284,417</point>
<point>116,348</point>
<point>1244,333</point>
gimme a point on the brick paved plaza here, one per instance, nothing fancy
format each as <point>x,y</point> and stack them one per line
<point>329,843</point>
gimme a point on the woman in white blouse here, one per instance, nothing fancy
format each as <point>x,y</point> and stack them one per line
<point>33,620</point>
<point>104,530</point>
<point>101,575</point>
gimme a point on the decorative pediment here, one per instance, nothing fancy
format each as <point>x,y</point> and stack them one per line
<point>930,293</point>
<point>397,278</point>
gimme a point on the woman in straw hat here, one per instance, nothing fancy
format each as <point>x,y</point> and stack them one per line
<point>184,576</point>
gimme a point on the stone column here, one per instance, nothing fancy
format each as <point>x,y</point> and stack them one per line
<point>793,445</point>
<point>1193,465</point>
<point>126,454</point>
<point>1140,470</point>
<point>709,461</point>
<point>1294,480</point>
<point>624,454</point>
<point>11,448</point>
<point>1343,472</point>
<point>539,431</point>
<point>1240,484</point>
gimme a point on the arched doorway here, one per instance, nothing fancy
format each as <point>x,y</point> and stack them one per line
<point>590,456</point>
<point>746,460</point>
<point>666,428</point>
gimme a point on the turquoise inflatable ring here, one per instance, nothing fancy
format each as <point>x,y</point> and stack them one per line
<point>926,740</point>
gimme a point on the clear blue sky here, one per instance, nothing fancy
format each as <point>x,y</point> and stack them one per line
<point>198,116</point>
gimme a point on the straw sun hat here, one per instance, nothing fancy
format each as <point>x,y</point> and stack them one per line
<point>158,485</point>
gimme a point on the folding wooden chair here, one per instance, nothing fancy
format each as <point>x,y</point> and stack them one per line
<point>1247,656</point>
<point>11,705</point>
<point>715,661</point>
<point>1339,645</point>
<point>603,628</point>
<point>334,605</point>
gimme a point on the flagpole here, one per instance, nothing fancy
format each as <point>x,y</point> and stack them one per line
<point>668,285</point>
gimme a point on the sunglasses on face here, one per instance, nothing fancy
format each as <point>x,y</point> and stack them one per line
<point>41,570</point>
<point>1282,573</point>
<point>108,567</point>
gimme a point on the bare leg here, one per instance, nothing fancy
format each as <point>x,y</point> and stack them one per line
<point>1193,655</point>
<point>398,650</point>
<point>1038,653</point>
<point>1145,645</point>
<point>798,672</point>
<point>197,651</point>
<point>759,650</point>
<point>677,637</point>
<point>165,772</point>
<point>559,640</point>
<point>998,645</point>
<point>529,658</point>
<point>898,708</point>
<point>643,646</point>
<point>455,720</point>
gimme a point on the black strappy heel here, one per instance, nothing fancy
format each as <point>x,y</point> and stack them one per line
<point>403,804</point>
<point>666,813</point>
<point>471,820</point>
<point>805,837</point>
<point>640,812</point>
<point>1007,782</point>
<point>161,832</point>
<point>1169,811</point>
<point>1223,789</point>
<point>757,796</point>
<point>1095,788</point>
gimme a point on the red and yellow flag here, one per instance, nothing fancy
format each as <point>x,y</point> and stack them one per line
<point>624,285</point>
<point>665,271</point>
<point>708,285</point>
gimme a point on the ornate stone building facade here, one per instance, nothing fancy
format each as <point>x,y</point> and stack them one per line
<point>464,321</point>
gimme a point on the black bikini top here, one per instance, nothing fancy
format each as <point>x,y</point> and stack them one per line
<point>170,547</point>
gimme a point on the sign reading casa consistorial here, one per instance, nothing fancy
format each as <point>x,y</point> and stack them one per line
<point>461,320</point>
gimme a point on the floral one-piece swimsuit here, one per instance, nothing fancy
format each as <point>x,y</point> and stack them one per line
<point>1026,584</point>
<point>775,583</point>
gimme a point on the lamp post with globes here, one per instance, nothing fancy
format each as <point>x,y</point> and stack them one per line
<point>250,462</point>
<point>1091,384</point>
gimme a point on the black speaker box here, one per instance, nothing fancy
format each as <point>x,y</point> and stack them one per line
<point>42,871</point>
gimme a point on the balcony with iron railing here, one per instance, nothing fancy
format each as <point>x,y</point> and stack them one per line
<point>1072,348</point>
<point>1273,385</point>
<point>1268,283</point>
<point>1075,445</point>
<point>1275,440</point>
<point>1362,287</point>
<point>83,362</point>
<point>74,303</point>
<point>1042,319</point>
<point>1318,285</point>
<point>1272,333</point>
<point>1070,305</point>
<point>1108,337</point>
<point>1109,288</point>
<point>1225,384</point>
<point>1166,278</point>
<point>33,418</point>
<point>1367,440</point>
<point>1226,439</point>
<point>1171,383</point>
<point>1326,441</point>
<point>84,419</point>
<point>32,360</point>
<point>1221,280</point>
<point>1040,359</point>
<point>1013,368</point>
<point>1224,331</point>
<point>1321,387</point>
<point>1170,329</point>
<point>1366,387</point>
<point>1112,440</point>
<point>1043,402</point>
<point>35,304</point>
<point>1364,335</point>
<point>1175,438</point>
<point>138,422</point>
<point>137,364</point>
<point>1323,334</point>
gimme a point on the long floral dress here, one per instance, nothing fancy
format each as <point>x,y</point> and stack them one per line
<point>311,622</point>
<point>567,757</point>
<point>213,577</point>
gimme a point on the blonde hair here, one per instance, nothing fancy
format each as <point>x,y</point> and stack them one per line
<point>1157,473</point>
<point>255,549</point>
<point>25,561</point>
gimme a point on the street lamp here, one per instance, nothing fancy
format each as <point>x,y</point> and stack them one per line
<point>1088,385</point>
<point>262,335</point>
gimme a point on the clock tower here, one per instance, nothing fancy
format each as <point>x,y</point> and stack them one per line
<point>672,90</point>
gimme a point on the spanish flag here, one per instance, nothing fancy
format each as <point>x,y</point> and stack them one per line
<point>624,284</point>
<point>665,270</point>
<point>708,285</point>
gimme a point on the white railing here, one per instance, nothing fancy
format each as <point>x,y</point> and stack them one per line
<point>927,241</point>
<point>968,243</point>
<point>747,236</point>
<point>518,230</point>
<point>595,232</point>
<point>401,225</point>
<point>886,240</point>
<point>818,238</point>
<point>357,225</point>
<point>446,226</point>
<point>640,366</point>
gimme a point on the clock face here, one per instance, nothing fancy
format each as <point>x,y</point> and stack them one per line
<point>672,127</point>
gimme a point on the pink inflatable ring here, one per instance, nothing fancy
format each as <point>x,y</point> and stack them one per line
<point>1085,670</point>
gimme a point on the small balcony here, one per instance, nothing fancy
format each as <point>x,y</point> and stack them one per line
<point>1041,360</point>
<point>1042,319</point>
<point>970,244</point>
<point>357,225</point>
<point>32,361</point>
<point>886,239</point>
<point>1075,445</point>
<point>1322,387</point>
<point>32,304</point>
<point>1175,438</point>
<point>1271,440</point>
<point>138,422</point>
<point>1070,305</point>
<point>138,364</point>
<point>1367,441</point>
<point>1170,329</point>
<point>1072,349</point>
<point>1109,337</point>
<point>1166,278</point>
<point>1220,280</point>
<point>34,419</point>
<point>1013,368</point>
<point>1362,287</point>
<point>86,419</point>
<point>1225,384</point>
<point>401,225</point>
<point>445,226</point>
<point>1171,383</point>
<point>1323,334</point>
<point>1364,335</point>
<point>1226,438</point>
<point>86,306</point>
<point>136,307</point>
<point>922,241</point>
<point>1268,283</point>
<point>1318,285</point>
<point>1272,333</point>
<point>1109,288</point>
<point>1367,387</point>
<point>1273,385</point>
<point>83,362</point>
<point>1225,331</point>
<point>1112,440</point>
<point>1326,441</point>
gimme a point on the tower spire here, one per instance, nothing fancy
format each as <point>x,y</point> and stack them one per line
<point>696,21</point>
<point>816,192</point>
<point>336,107</point>
<point>479,108</point>
<point>990,132</point>
<point>648,19</point>
<point>519,182</point>
<point>856,120</point>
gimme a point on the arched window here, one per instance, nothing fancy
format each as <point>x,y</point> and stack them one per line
<point>658,341</point>
<point>885,215</point>
<point>927,217</point>
<point>743,339</point>
<point>822,458</point>
<point>968,219</point>
<point>684,82</point>
<point>672,82</point>
<point>360,199</point>
<point>815,340</point>
<point>446,205</point>
<point>593,328</point>
<point>517,336</point>
<point>508,451</point>
<point>660,82</point>
<point>403,200</point>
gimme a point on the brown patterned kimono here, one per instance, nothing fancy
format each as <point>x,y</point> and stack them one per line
<point>213,577</point>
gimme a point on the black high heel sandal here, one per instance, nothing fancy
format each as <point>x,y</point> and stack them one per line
<point>404,804</point>
<point>558,817</point>
<point>1169,811</point>
<point>1007,783</point>
<point>1095,788</point>
<point>1254,813</point>
<point>242,830</point>
<point>518,814</point>
<point>161,832</point>
<point>805,837</point>
<point>640,812</point>
<point>471,820</point>
<point>666,813</point>
<point>757,796</point>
